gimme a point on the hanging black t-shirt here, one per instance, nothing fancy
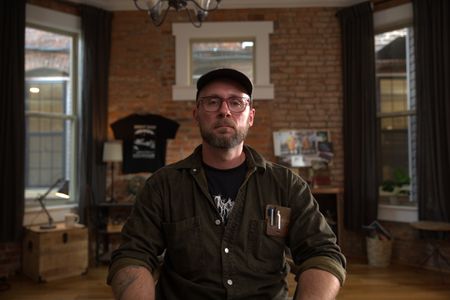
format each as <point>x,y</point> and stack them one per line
<point>144,141</point>
<point>223,186</point>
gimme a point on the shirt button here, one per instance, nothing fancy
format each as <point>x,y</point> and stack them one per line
<point>217,222</point>
<point>227,250</point>
<point>230,282</point>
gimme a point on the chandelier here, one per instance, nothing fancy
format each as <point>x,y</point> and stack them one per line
<point>197,10</point>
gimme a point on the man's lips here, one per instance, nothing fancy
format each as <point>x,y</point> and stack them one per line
<point>224,124</point>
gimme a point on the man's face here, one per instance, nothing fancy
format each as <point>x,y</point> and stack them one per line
<point>223,128</point>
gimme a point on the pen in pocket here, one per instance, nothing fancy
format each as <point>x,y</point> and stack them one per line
<point>272,216</point>
<point>278,219</point>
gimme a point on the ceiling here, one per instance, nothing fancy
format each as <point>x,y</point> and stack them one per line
<point>229,4</point>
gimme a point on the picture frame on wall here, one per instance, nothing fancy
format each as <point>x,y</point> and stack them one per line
<point>300,147</point>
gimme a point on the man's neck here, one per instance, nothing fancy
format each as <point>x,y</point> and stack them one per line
<point>223,158</point>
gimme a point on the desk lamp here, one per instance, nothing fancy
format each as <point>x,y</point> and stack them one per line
<point>60,192</point>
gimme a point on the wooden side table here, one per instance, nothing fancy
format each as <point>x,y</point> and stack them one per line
<point>436,227</point>
<point>331,199</point>
<point>50,254</point>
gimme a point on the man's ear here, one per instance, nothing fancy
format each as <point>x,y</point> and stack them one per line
<point>251,116</point>
<point>195,114</point>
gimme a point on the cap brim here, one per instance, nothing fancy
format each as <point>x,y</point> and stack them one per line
<point>230,74</point>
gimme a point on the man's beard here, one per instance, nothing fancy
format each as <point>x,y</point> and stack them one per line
<point>224,142</point>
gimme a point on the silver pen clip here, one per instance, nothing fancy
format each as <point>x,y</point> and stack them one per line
<point>278,219</point>
<point>272,216</point>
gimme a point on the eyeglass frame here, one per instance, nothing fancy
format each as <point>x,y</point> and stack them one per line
<point>247,102</point>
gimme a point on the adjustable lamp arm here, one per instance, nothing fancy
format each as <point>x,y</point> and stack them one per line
<point>42,197</point>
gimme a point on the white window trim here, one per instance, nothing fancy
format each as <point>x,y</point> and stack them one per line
<point>36,15</point>
<point>393,17</point>
<point>385,20</point>
<point>397,213</point>
<point>183,90</point>
<point>53,19</point>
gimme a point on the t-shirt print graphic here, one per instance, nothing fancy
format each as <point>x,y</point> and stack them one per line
<point>224,206</point>
<point>144,144</point>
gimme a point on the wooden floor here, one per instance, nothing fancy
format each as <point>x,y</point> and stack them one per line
<point>363,282</point>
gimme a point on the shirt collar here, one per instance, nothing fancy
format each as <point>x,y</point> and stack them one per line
<point>194,161</point>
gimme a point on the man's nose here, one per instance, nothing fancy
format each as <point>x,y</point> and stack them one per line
<point>224,108</point>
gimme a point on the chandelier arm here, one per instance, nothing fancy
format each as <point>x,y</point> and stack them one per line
<point>157,24</point>
<point>208,10</point>
<point>137,5</point>
<point>195,20</point>
<point>196,24</point>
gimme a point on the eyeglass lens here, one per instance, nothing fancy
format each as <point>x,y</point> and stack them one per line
<point>235,104</point>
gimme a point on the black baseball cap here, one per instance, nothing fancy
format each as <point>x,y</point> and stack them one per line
<point>225,73</point>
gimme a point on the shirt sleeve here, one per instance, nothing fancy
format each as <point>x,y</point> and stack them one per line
<point>142,240</point>
<point>323,263</point>
<point>311,240</point>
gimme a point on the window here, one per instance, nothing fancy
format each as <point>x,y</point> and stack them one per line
<point>396,123</point>
<point>50,106</point>
<point>209,55</point>
<point>242,45</point>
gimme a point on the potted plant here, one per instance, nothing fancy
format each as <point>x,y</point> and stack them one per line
<point>397,188</point>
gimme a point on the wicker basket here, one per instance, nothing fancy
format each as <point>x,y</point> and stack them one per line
<point>379,252</point>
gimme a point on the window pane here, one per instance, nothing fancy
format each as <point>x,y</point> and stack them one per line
<point>391,68</point>
<point>46,150</point>
<point>47,70</point>
<point>397,122</point>
<point>209,55</point>
<point>393,95</point>
<point>396,139</point>
<point>49,109</point>
<point>46,96</point>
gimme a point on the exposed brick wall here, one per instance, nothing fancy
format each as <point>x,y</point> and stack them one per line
<point>10,256</point>
<point>305,70</point>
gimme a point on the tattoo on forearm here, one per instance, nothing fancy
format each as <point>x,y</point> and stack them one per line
<point>124,280</point>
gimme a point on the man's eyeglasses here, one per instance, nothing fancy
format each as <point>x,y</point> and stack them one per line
<point>213,103</point>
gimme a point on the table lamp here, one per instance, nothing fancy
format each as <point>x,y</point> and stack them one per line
<point>61,182</point>
<point>112,153</point>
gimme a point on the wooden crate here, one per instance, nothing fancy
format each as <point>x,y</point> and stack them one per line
<point>55,253</point>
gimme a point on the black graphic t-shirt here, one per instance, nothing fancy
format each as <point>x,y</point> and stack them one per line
<point>144,141</point>
<point>223,186</point>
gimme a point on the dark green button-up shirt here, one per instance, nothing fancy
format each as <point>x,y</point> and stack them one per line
<point>206,259</point>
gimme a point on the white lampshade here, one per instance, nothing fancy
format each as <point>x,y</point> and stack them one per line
<point>112,151</point>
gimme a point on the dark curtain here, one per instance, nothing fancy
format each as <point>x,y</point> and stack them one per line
<point>359,113</point>
<point>432,37</point>
<point>96,36</point>
<point>12,118</point>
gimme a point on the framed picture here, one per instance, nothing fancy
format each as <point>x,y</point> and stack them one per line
<point>301,147</point>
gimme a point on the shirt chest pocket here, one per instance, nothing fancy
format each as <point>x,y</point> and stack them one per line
<point>265,253</point>
<point>184,248</point>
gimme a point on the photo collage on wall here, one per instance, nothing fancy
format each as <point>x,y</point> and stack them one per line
<point>303,148</point>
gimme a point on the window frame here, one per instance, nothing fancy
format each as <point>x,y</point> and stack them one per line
<point>258,31</point>
<point>69,25</point>
<point>386,20</point>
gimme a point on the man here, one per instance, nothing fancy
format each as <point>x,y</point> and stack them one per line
<point>224,217</point>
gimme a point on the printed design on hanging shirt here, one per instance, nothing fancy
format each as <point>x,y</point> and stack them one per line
<point>144,143</point>
<point>224,206</point>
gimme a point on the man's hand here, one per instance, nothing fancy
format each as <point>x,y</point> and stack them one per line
<point>315,284</point>
<point>133,282</point>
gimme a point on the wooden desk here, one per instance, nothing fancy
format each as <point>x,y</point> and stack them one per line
<point>331,201</point>
<point>50,254</point>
